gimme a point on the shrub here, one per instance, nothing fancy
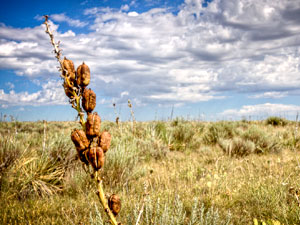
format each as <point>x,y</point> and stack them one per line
<point>174,212</point>
<point>276,121</point>
<point>183,136</point>
<point>161,131</point>
<point>263,143</point>
<point>218,130</point>
<point>9,153</point>
<point>122,160</point>
<point>237,146</point>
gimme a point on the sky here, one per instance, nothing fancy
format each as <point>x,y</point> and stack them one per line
<point>196,59</point>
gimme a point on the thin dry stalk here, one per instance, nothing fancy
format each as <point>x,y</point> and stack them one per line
<point>296,127</point>
<point>44,137</point>
<point>117,116</point>
<point>143,204</point>
<point>132,115</point>
<point>75,101</point>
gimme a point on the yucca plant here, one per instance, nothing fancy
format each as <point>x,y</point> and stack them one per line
<point>91,144</point>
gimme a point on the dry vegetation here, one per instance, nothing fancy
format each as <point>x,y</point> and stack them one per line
<point>182,172</point>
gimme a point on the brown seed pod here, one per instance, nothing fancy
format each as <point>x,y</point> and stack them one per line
<point>83,75</point>
<point>69,66</point>
<point>93,124</point>
<point>114,203</point>
<point>80,140</point>
<point>88,100</point>
<point>68,90</point>
<point>96,157</point>
<point>83,157</point>
<point>104,141</point>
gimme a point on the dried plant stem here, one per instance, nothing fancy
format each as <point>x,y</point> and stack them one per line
<point>57,51</point>
<point>76,101</point>
<point>117,117</point>
<point>103,200</point>
<point>44,138</point>
<point>140,214</point>
<point>296,128</point>
<point>132,115</point>
<point>143,204</point>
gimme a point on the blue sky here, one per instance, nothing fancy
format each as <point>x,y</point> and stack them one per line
<point>209,60</point>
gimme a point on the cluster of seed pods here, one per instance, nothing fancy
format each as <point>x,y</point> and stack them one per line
<point>91,144</point>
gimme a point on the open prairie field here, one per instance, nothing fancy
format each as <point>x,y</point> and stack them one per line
<point>165,172</point>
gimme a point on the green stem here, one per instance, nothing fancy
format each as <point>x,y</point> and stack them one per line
<point>103,200</point>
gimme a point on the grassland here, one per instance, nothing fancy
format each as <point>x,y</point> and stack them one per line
<point>183,172</point>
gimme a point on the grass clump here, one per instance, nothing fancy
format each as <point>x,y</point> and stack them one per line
<point>36,175</point>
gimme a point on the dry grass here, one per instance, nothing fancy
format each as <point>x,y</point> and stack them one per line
<point>191,176</point>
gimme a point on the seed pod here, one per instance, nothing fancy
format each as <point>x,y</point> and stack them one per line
<point>88,100</point>
<point>70,70</point>
<point>114,203</point>
<point>83,75</point>
<point>80,140</point>
<point>93,124</point>
<point>68,90</point>
<point>96,157</point>
<point>83,157</point>
<point>104,141</point>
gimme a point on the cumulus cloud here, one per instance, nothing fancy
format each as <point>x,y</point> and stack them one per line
<point>51,94</point>
<point>196,54</point>
<point>266,110</point>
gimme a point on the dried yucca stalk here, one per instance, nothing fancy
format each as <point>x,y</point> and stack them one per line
<point>90,143</point>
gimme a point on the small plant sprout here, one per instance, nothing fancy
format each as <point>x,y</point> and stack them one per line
<point>91,144</point>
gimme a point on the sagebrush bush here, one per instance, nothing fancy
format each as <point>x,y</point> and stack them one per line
<point>156,211</point>
<point>264,143</point>
<point>237,146</point>
<point>218,130</point>
<point>183,135</point>
<point>276,121</point>
<point>122,160</point>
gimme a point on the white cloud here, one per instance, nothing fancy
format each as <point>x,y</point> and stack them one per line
<point>198,54</point>
<point>63,18</point>
<point>263,110</point>
<point>272,94</point>
<point>51,94</point>
<point>133,13</point>
<point>125,7</point>
<point>10,85</point>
